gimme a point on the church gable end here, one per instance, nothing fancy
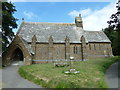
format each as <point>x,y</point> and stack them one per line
<point>17,43</point>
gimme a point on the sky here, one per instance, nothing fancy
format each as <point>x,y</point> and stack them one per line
<point>94,14</point>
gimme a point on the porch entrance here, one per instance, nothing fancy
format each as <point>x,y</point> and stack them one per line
<point>17,57</point>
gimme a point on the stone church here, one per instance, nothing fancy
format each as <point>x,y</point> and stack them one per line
<point>37,42</point>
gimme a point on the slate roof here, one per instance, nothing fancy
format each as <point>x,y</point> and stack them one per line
<point>27,46</point>
<point>59,31</point>
<point>96,36</point>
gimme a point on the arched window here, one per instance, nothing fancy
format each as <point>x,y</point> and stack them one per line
<point>75,50</point>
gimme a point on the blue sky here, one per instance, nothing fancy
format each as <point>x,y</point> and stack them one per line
<point>93,13</point>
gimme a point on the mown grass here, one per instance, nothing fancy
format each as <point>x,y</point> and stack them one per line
<point>91,74</point>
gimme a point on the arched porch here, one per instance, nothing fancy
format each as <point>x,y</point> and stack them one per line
<point>17,57</point>
<point>17,51</point>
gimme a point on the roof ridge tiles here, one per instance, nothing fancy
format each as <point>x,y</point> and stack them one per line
<point>49,23</point>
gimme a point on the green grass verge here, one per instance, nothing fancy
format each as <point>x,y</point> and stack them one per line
<point>91,74</point>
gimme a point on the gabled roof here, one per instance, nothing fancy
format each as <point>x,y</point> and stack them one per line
<point>59,31</point>
<point>96,36</point>
<point>27,46</point>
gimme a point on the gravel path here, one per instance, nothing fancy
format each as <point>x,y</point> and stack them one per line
<point>112,76</point>
<point>11,79</point>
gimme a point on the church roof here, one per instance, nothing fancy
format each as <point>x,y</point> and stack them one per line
<point>96,36</point>
<point>59,31</point>
<point>27,46</point>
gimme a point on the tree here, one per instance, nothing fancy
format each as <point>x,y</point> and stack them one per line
<point>113,31</point>
<point>8,23</point>
<point>115,18</point>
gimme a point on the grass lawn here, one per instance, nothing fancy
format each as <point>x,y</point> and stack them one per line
<point>91,74</point>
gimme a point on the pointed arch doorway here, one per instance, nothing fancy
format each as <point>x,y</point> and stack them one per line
<point>17,57</point>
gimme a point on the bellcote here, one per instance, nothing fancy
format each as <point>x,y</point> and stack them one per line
<point>78,21</point>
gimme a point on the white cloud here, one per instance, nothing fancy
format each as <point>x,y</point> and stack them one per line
<point>84,12</point>
<point>95,19</point>
<point>30,15</point>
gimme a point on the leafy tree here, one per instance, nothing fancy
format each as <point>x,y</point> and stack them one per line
<point>110,33</point>
<point>113,31</point>
<point>8,23</point>
<point>115,18</point>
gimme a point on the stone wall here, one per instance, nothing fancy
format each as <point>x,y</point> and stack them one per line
<point>77,54</point>
<point>92,50</point>
<point>56,51</point>
<point>42,52</point>
<point>95,50</point>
